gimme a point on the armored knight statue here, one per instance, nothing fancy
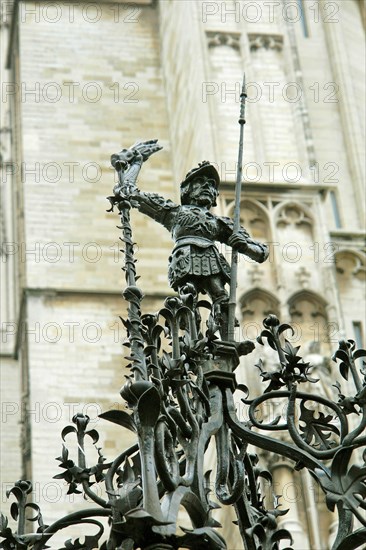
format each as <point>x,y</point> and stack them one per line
<point>195,258</point>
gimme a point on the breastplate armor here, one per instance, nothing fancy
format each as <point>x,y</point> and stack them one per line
<point>193,221</point>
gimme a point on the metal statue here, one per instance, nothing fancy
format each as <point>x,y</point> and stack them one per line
<point>195,258</point>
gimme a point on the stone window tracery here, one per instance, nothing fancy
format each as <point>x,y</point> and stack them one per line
<point>349,263</point>
<point>255,305</point>
<point>255,219</point>
<point>298,247</point>
<point>293,214</point>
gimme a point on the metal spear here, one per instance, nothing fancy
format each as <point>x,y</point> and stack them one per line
<point>234,257</point>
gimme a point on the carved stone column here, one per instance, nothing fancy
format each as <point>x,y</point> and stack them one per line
<point>283,477</point>
<point>332,533</point>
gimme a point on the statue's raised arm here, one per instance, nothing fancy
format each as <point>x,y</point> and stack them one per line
<point>128,163</point>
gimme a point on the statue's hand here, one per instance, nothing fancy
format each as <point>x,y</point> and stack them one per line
<point>144,149</point>
<point>238,241</point>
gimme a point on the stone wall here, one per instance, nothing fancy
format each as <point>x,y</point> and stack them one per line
<point>94,79</point>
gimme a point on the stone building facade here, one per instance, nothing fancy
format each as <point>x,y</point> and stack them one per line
<point>83,79</point>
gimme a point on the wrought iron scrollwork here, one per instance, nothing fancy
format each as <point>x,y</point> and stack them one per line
<point>180,394</point>
<point>175,412</point>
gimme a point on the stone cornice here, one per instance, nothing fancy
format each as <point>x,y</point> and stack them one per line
<point>348,234</point>
<point>219,38</point>
<point>266,41</point>
<point>280,187</point>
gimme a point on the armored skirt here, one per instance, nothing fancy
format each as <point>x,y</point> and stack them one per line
<point>189,260</point>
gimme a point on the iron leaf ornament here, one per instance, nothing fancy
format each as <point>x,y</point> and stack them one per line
<point>181,399</point>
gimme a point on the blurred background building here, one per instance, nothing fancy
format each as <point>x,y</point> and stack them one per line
<point>82,80</point>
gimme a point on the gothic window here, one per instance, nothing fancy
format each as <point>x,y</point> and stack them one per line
<point>255,306</point>
<point>223,90</point>
<point>278,124</point>
<point>254,219</point>
<point>10,249</point>
<point>310,321</point>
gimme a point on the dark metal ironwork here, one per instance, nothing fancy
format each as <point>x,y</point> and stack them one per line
<point>182,399</point>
